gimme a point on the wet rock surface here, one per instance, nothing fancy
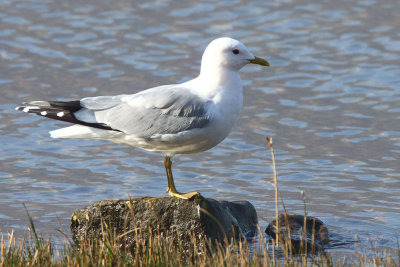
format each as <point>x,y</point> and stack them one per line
<point>141,217</point>
<point>291,229</point>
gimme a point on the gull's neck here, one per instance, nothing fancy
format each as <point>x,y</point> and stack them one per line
<point>212,81</point>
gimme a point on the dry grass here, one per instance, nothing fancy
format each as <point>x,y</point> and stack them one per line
<point>160,251</point>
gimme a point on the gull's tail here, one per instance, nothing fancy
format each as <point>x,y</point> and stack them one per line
<point>59,110</point>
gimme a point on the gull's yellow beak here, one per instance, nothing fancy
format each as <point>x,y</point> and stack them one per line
<point>259,61</point>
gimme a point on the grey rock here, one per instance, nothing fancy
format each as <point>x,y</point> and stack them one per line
<point>291,229</point>
<point>175,218</point>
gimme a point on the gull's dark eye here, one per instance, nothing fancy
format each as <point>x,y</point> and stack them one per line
<point>235,51</point>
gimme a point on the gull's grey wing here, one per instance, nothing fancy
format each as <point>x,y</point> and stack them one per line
<point>161,110</point>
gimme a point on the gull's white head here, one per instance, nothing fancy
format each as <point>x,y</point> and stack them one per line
<point>228,53</point>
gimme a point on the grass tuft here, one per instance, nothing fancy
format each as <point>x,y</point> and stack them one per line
<point>161,251</point>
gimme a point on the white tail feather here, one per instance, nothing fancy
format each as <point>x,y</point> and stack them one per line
<point>80,131</point>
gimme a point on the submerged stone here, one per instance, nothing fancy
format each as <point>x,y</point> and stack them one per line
<point>175,218</point>
<point>291,229</point>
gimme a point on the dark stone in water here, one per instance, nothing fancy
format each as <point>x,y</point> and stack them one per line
<point>167,217</point>
<point>316,232</point>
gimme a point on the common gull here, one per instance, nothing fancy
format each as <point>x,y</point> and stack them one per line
<point>184,118</point>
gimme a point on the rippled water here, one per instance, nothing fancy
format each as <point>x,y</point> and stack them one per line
<point>330,100</point>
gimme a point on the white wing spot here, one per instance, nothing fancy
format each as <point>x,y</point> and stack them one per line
<point>44,113</point>
<point>60,114</point>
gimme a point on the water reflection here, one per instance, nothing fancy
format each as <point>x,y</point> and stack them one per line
<point>329,100</point>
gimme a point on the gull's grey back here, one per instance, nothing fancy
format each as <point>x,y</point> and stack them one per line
<point>162,110</point>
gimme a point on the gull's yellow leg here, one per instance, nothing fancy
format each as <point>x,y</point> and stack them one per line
<point>171,190</point>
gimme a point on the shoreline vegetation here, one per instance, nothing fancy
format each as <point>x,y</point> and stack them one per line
<point>164,250</point>
<point>161,251</point>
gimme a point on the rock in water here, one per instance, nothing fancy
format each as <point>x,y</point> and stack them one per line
<point>201,217</point>
<point>291,229</point>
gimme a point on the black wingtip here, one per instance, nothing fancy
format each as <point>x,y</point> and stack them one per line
<point>59,110</point>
